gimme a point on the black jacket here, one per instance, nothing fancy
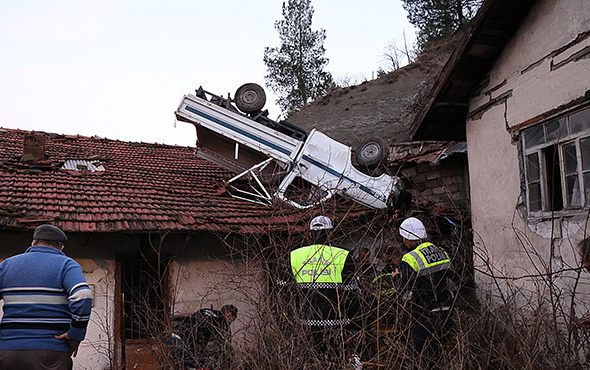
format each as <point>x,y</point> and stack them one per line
<point>429,291</point>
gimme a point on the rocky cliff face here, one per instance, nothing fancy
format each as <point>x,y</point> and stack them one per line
<point>383,107</point>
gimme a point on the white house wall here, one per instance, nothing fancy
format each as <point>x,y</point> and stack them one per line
<point>96,350</point>
<point>527,76</point>
<point>200,284</point>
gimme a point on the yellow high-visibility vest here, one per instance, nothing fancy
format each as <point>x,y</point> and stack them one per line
<point>426,259</point>
<point>318,264</point>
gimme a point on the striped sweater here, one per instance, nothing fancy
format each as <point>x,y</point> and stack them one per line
<point>45,294</point>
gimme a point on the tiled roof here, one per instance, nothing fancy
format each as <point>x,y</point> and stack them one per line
<point>143,187</point>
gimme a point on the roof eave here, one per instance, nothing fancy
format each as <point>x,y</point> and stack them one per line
<point>443,115</point>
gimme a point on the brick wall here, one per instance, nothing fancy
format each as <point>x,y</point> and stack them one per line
<point>443,184</point>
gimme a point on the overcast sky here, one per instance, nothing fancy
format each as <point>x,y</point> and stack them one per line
<point>119,68</point>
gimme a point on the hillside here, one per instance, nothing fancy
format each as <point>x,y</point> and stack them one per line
<point>383,107</point>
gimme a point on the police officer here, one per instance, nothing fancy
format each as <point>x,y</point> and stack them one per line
<point>196,338</point>
<point>423,272</point>
<point>325,278</point>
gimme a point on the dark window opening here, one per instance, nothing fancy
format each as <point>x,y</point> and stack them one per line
<point>145,296</point>
<point>555,196</point>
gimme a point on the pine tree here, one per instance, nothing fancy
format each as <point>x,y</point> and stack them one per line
<point>438,19</point>
<point>296,68</point>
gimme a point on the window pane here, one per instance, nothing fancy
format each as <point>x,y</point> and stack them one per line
<point>534,137</point>
<point>580,121</point>
<point>570,159</point>
<point>585,149</point>
<point>556,130</point>
<point>574,198</point>
<point>587,188</point>
<point>532,167</point>
<point>535,197</point>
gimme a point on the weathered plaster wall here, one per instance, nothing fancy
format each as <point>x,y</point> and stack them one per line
<point>202,284</point>
<point>96,350</point>
<point>526,83</point>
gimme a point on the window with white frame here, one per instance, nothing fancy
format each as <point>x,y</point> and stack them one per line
<point>557,163</point>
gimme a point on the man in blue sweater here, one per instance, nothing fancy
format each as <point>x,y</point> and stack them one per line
<point>47,305</point>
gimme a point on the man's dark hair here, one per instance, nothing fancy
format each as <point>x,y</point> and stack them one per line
<point>584,247</point>
<point>229,308</point>
<point>319,236</point>
<point>48,243</point>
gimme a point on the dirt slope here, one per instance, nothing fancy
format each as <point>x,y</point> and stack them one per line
<point>383,107</point>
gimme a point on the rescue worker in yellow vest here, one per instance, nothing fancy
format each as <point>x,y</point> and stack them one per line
<point>424,272</point>
<point>325,278</point>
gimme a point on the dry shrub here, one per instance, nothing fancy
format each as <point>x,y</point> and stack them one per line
<point>503,326</point>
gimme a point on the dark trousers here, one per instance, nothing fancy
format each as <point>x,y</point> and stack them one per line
<point>334,342</point>
<point>182,355</point>
<point>35,359</point>
<point>430,330</point>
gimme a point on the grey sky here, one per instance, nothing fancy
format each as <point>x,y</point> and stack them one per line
<point>118,68</point>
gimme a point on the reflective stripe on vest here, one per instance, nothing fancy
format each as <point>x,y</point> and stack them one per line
<point>379,285</point>
<point>324,322</point>
<point>427,259</point>
<point>318,264</point>
<point>327,286</point>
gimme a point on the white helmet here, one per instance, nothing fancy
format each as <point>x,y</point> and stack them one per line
<point>320,223</point>
<point>412,229</point>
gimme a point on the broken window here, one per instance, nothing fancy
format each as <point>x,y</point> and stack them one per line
<point>557,163</point>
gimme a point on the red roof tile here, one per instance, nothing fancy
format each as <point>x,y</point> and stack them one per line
<point>144,187</point>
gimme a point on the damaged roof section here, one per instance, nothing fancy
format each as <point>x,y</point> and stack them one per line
<point>425,151</point>
<point>82,164</point>
<point>435,174</point>
<point>84,184</point>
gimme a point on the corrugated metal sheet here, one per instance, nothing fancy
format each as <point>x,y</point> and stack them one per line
<point>80,164</point>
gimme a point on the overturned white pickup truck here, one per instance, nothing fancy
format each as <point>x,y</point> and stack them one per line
<point>279,161</point>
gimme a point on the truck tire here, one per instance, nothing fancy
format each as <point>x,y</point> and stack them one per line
<point>371,153</point>
<point>250,98</point>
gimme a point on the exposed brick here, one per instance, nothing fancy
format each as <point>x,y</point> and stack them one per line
<point>419,178</point>
<point>432,175</point>
<point>454,188</point>
<point>445,180</point>
<point>432,184</point>
<point>424,168</point>
<point>409,171</point>
<point>456,196</point>
<point>445,172</point>
<point>438,190</point>
<point>420,187</point>
<point>437,198</point>
<point>458,179</point>
<point>414,192</point>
